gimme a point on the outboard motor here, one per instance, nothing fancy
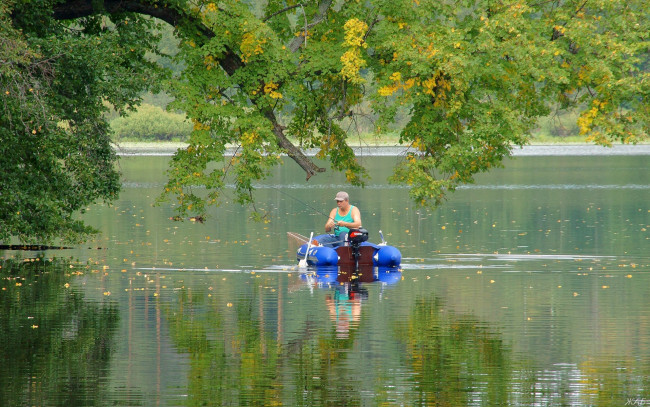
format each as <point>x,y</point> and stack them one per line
<point>357,236</point>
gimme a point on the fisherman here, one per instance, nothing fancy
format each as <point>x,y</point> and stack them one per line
<point>342,218</point>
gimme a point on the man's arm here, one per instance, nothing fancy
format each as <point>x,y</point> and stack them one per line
<point>330,222</point>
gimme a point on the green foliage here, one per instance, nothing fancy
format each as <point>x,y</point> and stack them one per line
<point>55,153</point>
<point>474,76</point>
<point>151,123</point>
<point>469,78</point>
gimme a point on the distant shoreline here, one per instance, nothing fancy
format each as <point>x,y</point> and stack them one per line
<point>169,148</point>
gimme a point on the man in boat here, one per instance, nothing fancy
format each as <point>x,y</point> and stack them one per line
<point>342,218</point>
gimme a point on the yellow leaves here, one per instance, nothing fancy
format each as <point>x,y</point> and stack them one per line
<point>396,77</point>
<point>419,144</point>
<point>270,89</point>
<point>583,73</point>
<point>430,51</point>
<point>429,85</point>
<point>444,84</point>
<point>251,46</point>
<point>249,138</point>
<point>351,59</point>
<point>211,7</point>
<point>388,90</point>
<point>349,175</point>
<point>210,62</point>
<point>352,64</point>
<point>586,119</point>
<point>355,30</point>
<point>198,126</point>
<point>437,86</point>
<point>598,138</point>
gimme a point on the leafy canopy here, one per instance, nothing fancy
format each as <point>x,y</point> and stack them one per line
<point>55,77</point>
<point>474,75</point>
<point>274,77</point>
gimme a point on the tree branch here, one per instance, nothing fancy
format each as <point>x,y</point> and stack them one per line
<point>292,151</point>
<point>322,12</point>
<point>229,60</point>
<point>73,9</point>
<point>282,11</point>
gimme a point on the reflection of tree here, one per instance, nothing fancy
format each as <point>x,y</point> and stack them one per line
<point>434,356</point>
<point>454,358</point>
<point>56,345</point>
<point>234,361</point>
<point>602,387</point>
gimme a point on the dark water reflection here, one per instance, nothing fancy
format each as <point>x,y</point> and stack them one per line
<point>528,288</point>
<point>56,345</point>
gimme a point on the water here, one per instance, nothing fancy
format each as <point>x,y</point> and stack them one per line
<point>526,288</point>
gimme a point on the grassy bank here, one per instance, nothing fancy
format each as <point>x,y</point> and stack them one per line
<point>153,130</point>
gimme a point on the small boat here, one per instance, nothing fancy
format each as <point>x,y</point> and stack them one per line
<point>356,252</point>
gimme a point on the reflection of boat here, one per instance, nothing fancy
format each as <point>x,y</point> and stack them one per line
<point>329,275</point>
<point>381,255</point>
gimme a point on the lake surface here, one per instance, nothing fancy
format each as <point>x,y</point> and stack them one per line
<point>528,288</point>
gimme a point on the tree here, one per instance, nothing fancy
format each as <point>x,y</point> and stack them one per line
<point>55,152</point>
<point>475,75</point>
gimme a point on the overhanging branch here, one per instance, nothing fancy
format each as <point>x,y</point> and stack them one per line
<point>229,61</point>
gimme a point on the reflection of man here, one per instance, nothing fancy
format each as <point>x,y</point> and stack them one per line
<point>344,309</point>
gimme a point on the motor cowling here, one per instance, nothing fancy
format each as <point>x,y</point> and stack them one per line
<point>357,236</point>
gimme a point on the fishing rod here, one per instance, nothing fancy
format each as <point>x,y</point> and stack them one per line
<point>304,203</point>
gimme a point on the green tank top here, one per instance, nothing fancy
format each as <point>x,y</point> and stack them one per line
<point>347,218</point>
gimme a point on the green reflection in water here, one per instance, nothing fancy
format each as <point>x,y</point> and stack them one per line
<point>251,352</point>
<point>455,359</point>
<point>56,346</point>
<point>238,358</point>
<point>234,363</point>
